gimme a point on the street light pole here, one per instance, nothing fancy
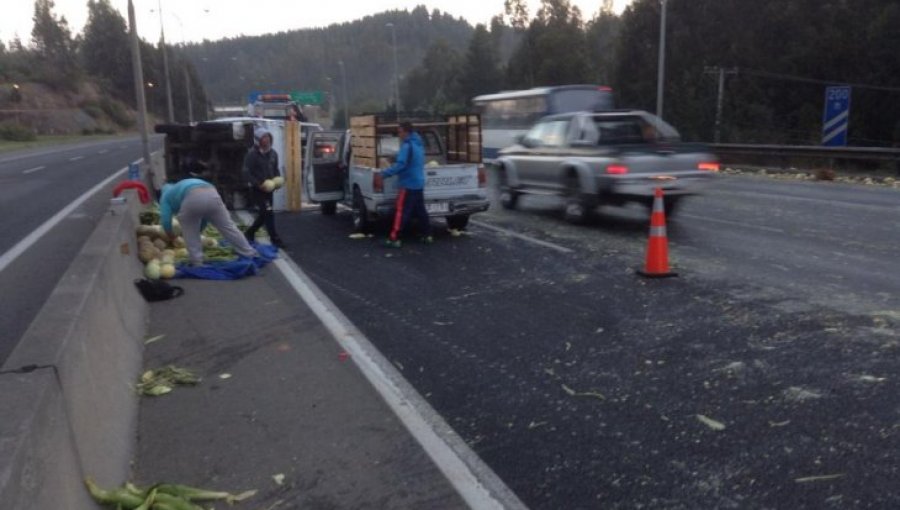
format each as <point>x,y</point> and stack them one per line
<point>162,45</point>
<point>187,78</point>
<point>344,93</point>
<point>139,93</point>
<point>190,101</point>
<point>662,61</point>
<point>721,72</point>
<point>396,71</point>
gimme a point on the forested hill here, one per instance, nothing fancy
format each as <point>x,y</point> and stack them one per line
<point>779,56</point>
<point>306,59</point>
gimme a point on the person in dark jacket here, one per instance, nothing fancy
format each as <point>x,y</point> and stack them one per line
<point>260,164</point>
<point>410,171</point>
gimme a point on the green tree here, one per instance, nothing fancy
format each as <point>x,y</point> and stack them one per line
<point>480,71</point>
<point>105,49</point>
<point>299,59</point>
<point>554,48</point>
<point>517,13</point>
<point>434,85</point>
<point>54,46</point>
<point>602,35</point>
<point>777,95</point>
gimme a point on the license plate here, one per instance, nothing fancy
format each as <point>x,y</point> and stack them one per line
<point>437,207</point>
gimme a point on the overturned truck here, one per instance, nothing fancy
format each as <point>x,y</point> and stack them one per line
<point>212,151</point>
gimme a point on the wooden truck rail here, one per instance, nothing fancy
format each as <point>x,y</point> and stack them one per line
<point>460,135</point>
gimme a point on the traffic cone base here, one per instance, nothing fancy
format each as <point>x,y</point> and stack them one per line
<point>645,274</point>
<point>657,263</point>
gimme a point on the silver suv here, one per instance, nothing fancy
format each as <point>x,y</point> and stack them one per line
<point>611,157</point>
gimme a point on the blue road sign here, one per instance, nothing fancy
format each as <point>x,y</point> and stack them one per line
<point>837,116</point>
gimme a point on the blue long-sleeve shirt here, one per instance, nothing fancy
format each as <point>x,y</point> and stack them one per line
<point>410,164</point>
<point>172,196</point>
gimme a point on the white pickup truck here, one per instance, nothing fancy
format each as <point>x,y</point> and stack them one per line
<point>345,167</point>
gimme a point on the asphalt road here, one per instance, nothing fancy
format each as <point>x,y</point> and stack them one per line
<point>34,186</point>
<point>765,376</point>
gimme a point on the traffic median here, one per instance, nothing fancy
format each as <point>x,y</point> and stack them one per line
<point>78,362</point>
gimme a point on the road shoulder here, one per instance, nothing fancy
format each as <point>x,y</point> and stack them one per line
<point>277,399</point>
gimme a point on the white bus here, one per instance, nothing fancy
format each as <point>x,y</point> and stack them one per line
<point>506,115</point>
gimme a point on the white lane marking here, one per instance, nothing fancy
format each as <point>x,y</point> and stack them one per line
<point>445,448</point>
<point>35,169</point>
<point>827,201</point>
<point>48,151</point>
<point>104,151</point>
<point>733,223</point>
<point>20,247</point>
<point>76,158</point>
<point>545,244</point>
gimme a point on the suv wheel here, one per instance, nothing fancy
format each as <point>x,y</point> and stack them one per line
<point>457,222</point>
<point>360,214</point>
<point>578,208</point>
<point>509,198</point>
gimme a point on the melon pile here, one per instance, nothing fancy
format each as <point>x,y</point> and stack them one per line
<point>161,255</point>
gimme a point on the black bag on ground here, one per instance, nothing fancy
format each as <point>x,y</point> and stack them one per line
<point>157,290</point>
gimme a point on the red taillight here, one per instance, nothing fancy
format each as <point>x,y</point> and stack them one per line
<point>709,166</point>
<point>482,177</point>
<point>617,169</point>
<point>604,89</point>
<point>377,182</point>
<point>275,97</point>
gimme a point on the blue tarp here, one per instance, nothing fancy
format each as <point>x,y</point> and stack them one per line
<point>231,270</point>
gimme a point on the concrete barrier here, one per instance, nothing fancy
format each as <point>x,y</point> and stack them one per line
<point>68,408</point>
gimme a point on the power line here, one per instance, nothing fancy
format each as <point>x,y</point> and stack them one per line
<point>790,77</point>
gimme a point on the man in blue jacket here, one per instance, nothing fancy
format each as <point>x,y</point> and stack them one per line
<point>410,171</point>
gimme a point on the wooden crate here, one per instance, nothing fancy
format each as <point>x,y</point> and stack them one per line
<point>464,138</point>
<point>363,121</point>
<point>365,152</point>
<point>461,134</point>
<point>362,141</point>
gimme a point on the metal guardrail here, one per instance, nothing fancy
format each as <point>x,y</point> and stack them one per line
<point>808,151</point>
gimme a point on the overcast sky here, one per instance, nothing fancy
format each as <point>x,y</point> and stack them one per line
<point>195,20</point>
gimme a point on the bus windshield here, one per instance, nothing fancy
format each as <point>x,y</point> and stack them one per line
<point>507,115</point>
<point>581,100</point>
<point>521,112</point>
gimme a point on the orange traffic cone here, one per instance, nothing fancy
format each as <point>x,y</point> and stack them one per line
<point>657,265</point>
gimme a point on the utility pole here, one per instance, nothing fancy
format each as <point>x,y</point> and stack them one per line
<point>396,72</point>
<point>661,76</point>
<point>139,94</point>
<point>187,78</point>
<point>721,71</point>
<point>190,102</point>
<point>344,93</point>
<point>162,46</point>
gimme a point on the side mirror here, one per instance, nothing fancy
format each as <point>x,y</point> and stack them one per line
<point>524,141</point>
